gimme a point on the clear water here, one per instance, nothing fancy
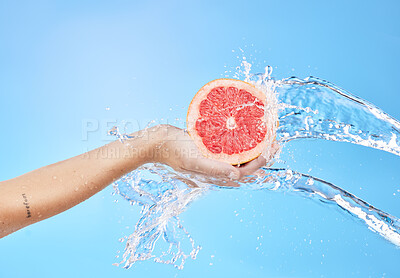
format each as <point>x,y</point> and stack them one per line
<point>306,108</point>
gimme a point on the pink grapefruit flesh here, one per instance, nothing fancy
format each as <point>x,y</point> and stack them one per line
<point>226,121</point>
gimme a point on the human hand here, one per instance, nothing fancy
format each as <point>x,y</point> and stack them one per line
<point>175,148</point>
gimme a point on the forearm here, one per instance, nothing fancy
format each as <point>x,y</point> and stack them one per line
<point>52,189</point>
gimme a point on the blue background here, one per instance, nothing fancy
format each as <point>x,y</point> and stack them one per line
<point>65,62</point>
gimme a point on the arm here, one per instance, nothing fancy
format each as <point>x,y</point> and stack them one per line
<point>52,189</point>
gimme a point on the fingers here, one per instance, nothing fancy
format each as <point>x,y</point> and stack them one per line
<point>222,182</point>
<point>219,169</point>
<point>274,149</point>
<point>252,166</point>
<point>196,162</point>
<point>213,168</point>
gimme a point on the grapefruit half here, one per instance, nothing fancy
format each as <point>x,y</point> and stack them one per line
<point>227,121</point>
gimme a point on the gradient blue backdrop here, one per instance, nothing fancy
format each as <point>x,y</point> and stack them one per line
<point>64,63</point>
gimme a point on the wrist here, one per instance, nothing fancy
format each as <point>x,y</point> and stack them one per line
<point>146,145</point>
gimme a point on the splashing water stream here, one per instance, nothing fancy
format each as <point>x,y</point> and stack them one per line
<point>305,108</point>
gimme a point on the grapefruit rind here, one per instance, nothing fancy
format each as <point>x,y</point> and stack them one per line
<point>194,113</point>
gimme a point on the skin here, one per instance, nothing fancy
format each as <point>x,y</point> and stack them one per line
<point>52,189</point>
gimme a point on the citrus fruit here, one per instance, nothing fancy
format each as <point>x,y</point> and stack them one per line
<point>227,121</point>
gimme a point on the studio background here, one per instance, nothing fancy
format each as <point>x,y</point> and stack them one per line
<point>65,62</point>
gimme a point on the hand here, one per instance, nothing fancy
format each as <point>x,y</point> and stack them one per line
<point>176,149</point>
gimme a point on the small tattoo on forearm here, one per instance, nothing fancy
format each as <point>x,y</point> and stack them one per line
<point>26,204</point>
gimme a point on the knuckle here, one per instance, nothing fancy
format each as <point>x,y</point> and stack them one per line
<point>186,164</point>
<point>212,171</point>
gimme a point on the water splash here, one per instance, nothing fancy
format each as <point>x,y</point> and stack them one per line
<point>306,108</point>
<point>333,114</point>
<point>286,180</point>
<point>163,194</point>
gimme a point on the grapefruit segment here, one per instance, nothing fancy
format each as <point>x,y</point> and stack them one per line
<point>227,121</point>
